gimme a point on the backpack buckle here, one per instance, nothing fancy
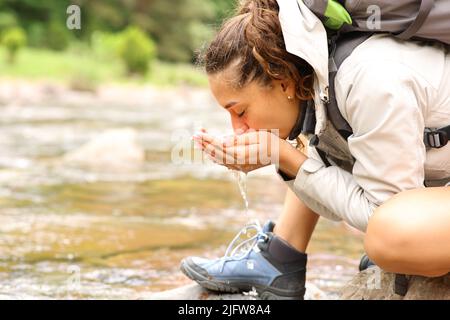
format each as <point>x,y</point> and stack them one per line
<point>435,138</point>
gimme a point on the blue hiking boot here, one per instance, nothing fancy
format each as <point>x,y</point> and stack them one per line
<point>269,265</point>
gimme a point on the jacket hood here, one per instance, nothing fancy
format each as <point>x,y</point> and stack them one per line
<point>305,37</point>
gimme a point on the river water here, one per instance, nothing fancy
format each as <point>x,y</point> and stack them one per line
<point>115,225</point>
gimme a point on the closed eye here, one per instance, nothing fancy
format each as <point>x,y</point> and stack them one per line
<point>241,114</point>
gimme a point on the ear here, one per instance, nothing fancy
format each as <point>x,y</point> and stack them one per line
<point>287,86</point>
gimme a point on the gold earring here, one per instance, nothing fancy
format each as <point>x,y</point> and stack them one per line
<point>289,98</point>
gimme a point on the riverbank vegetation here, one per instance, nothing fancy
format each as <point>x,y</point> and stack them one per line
<point>154,41</point>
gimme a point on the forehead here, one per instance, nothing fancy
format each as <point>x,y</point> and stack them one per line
<point>223,86</point>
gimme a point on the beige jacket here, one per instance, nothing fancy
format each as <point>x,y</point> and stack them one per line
<point>388,91</point>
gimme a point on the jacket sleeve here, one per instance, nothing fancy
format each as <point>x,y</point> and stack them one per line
<point>380,105</point>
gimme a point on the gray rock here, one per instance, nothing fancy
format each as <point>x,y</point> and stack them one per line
<point>370,284</point>
<point>193,292</point>
<point>196,292</point>
<point>113,150</point>
<point>375,284</point>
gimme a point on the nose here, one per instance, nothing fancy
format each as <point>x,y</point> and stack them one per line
<point>239,126</point>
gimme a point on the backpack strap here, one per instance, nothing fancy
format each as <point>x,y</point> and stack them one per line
<point>340,47</point>
<point>436,138</point>
<point>422,15</point>
<point>338,52</point>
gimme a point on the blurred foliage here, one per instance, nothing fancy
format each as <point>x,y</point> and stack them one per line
<point>7,20</point>
<point>136,50</point>
<point>178,27</point>
<point>57,37</point>
<point>117,37</point>
<point>105,45</point>
<point>83,71</point>
<point>13,39</point>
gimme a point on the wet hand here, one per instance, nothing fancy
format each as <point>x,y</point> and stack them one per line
<point>244,152</point>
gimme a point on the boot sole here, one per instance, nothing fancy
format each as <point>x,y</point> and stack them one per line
<point>264,292</point>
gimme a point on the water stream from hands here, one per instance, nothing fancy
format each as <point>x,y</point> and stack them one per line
<point>241,178</point>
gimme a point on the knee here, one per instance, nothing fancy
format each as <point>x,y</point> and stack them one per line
<point>389,235</point>
<point>401,236</point>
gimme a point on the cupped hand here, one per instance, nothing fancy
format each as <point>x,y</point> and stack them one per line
<point>244,152</point>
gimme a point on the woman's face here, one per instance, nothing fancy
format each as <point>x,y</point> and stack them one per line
<point>255,106</point>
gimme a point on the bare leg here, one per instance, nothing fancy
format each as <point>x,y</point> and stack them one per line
<point>296,222</point>
<point>410,233</point>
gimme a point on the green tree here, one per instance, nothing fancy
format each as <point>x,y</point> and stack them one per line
<point>136,49</point>
<point>14,39</point>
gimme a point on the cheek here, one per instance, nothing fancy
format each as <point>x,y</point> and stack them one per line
<point>257,117</point>
<point>264,115</point>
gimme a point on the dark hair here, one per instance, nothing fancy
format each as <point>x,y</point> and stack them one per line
<point>252,41</point>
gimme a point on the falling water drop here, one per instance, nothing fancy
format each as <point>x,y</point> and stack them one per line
<point>242,183</point>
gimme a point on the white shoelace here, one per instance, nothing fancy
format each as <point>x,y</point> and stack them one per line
<point>236,252</point>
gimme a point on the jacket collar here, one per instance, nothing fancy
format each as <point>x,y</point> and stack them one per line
<point>306,37</point>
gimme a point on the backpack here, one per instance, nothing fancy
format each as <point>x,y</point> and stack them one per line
<point>350,22</point>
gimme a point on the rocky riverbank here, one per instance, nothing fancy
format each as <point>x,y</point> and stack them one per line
<point>370,284</point>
